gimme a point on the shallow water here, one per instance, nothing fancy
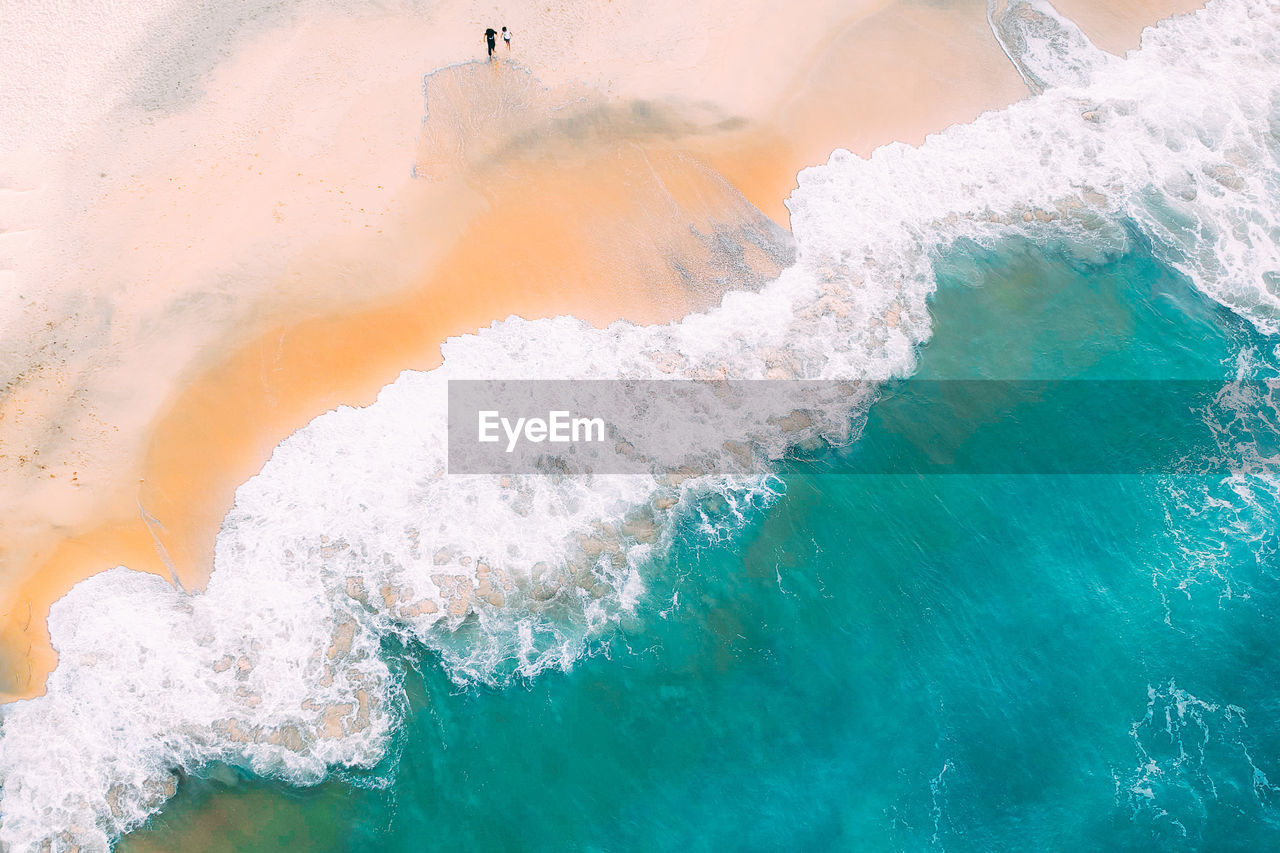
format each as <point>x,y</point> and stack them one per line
<point>952,662</point>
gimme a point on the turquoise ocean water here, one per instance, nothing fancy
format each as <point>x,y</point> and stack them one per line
<point>897,662</point>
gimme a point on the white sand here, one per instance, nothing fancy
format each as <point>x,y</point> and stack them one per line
<point>175,183</point>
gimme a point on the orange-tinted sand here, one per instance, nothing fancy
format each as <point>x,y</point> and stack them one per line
<point>1117,26</point>
<point>577,239</point>
<point>585,230</point>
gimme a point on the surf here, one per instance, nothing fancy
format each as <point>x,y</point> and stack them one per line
<point>353,534</point>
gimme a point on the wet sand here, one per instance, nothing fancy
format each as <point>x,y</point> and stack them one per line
<point>596,218</point>
<point>593,235</point>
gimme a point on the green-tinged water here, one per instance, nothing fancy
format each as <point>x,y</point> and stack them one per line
<point>960,662</point>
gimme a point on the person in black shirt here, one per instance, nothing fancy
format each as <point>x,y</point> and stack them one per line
<point>489,36</point>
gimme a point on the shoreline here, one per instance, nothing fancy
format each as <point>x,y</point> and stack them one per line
<point>565,242</point>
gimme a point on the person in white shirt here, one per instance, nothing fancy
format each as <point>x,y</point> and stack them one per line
<point>506,36</point>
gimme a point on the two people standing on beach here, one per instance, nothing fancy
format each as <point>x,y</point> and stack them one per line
<point>490,37</point>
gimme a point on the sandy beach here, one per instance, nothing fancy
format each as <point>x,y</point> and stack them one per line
<point>237,247</point>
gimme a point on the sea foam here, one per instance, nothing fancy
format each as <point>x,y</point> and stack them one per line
<point>353,533</point>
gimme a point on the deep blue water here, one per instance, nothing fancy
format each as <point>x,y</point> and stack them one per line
<point>895,662</point>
